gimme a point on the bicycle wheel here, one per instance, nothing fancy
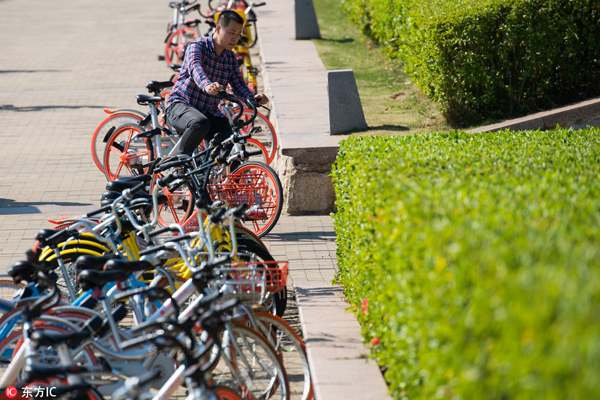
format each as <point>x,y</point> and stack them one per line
<point>251,31</point>
<point>101,134</point>
<point>179,206</point>
<point>126,154</point>
<point>291,348</point>
<point>245,233</point>
<point>226,393</point>
<point>69,255</point>
<point>254,145</point>
<point>176,43</point>
<point>249,363</point>
<point>46,354</point>
<point>262,131</point>
<point>267,195</point>
<point>7,290</point>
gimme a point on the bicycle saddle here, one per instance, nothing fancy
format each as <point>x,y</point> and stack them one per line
<point>92,262</point>
<point>37,371</point>
<point>154,86</point>
<point>144,99</point>
<point>71,339</point>
<point>110,195</point>
<point>91,279</point>
<point>120,184</point>
<point>128,266</point>
<point>21,271</point>
<point>50,237</point>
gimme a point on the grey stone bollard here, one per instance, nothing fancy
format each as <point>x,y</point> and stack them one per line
<point>307,26</point>
<point>345,108</point>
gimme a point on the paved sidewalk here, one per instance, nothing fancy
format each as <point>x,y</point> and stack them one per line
<point>56,76</point>
<point>308,243</point>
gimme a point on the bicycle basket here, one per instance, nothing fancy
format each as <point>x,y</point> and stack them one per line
<point>251,281</point>
<point>252,189</point>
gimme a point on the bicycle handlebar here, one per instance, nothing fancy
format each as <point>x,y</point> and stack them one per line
<point>253,153</point>
<point>40,305</point>
<point>226,96</point>
<point>101,210</point>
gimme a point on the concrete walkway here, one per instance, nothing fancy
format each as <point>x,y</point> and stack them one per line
<point>63,64</point>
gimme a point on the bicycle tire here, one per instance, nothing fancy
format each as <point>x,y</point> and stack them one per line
<point>265,134</point>
<point>176,42</point>
<point>253,145</point>
<point>245,233</point>
<point>101,136</point>
<point>269,195</point>
<point>226,393</point>
<point>258,372</point>
<point>291,349</point>
<point>124,155</point>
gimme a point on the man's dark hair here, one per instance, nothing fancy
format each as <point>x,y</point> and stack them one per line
<point>227,16</point>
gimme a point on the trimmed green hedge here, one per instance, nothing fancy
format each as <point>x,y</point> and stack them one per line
<point>473,261</point>
<point>491,58</point>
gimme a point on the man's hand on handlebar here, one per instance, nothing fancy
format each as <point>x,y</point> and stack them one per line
<point>213,88</point>
<point>262,99</point>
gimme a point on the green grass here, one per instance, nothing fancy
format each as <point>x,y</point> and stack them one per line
<point>391,103</point>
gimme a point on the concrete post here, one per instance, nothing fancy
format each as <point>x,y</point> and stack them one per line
<point>307,26</point>
<point>345,108</point>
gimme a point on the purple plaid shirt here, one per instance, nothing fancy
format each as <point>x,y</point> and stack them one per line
<point>201,66</point>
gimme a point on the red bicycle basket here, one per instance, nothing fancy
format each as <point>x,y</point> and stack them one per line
<point>252,189</point>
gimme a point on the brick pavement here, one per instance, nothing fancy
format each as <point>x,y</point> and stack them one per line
<point>308,243</point>
<point>63,63</point>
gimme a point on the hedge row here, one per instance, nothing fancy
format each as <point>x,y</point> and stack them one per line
<point>491,58</point>
<point>473,261</point>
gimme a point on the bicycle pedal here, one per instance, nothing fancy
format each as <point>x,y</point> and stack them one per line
<point>161,58</point>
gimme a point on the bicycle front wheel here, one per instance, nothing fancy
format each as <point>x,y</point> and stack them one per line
<point>267,196</point>
<point>125,154</point>
<point>291,349</point>
<point>249,363</point>
<point>262,131</point>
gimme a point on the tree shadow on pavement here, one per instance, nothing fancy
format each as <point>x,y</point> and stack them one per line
<point>12,207</point>
<point>10,107</point>
<point>29,71</point>
<point>299,236</point>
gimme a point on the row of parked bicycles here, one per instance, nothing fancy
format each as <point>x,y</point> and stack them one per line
<point>167,289</point>
<point>114,305</point>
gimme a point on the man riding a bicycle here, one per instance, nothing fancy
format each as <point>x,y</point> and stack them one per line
<point>208,67</point>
